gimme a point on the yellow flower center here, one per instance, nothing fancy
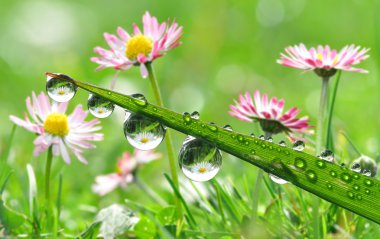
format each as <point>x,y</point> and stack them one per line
<point>144,140</point>
<point>320,56</point>
<point>57,124</point>
<point>61,92</point>
<point>202,169</point>
<point>136,45</point>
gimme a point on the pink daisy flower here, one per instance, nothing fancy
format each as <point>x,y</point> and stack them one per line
<point>269,113</point>
<point>125,171</point>
<point>141,48</point>
<point>323,60</point>
<point>57,130</point>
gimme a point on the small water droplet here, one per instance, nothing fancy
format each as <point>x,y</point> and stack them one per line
<point>350,194</point>
<point>311,175</point>
<point>356,176</point>
<point>142,132</point>
<point>253,151</point>
<point>299,145</point>
<point>359,197</point>
<point>367,191</point>
<point>212,126</point>
<point>60,90</point>
<point>199,160</point>
<point>139,99</point>
<point>333,174</point>
<point>346,177</point>
<point>262,137</point>
<point>195,115</point>
<point>366,172</point>
<point>109,93</point>
<point>342,164</point>
<point>277,180</point>
<point>240,138</point>
<point>186,118</point>
<point>300,163</point>
<point>329,186</point>
<point>99,107</point>
<point>252,135</point>
<point>321,164</point>
<point>154,109</point>
<point>327,155</point>
<point>368,182</point>
<point>227,127</point>
<point>356,167</point>
<point>269,139</point>
<point>356,187</point>
<point>282,143</point>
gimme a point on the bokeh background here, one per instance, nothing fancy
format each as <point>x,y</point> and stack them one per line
<point>229,47</point>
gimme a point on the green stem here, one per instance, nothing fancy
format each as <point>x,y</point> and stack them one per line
<point>49,160</point>
<point>256,193</point>
<point>152,194</point>
<point>331,111</point>
<point>168,139</point>
<point>319,142</point>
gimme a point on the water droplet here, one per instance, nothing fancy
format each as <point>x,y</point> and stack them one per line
<point>365,165</point>
<point>333,174</point>
<point>356,176</point>
<point>311,175</point>
<point>269,139</point>
<point>277,180</point>
<point>154,109</point>
<point>359,197</point>
<point>186,118</point>
<point>356,187</point>
<point>262,137</point>
<point>299,145</point>
<point>327,155</point>
<point>252,135</point>
<point>321,164</point>
<point>212,126</point>
<point>368,182</point>
<point>199,160</point>
<point>195,115</point>
<point>99,107</point>
<point>366,172</point>
<point>329,186</point>
<point>60,90</point>
<point>253,151</point>
<point>342,164</point>
<point>350,194</point>
<point>142,132</point>
<point>282,143</point>
<point>356,167</point>
<point>346,177</point>
<point>240,138</point>
<point>139,99</point>
<point>367,191</point>
<point>300,163</point>
<point>227,127</point>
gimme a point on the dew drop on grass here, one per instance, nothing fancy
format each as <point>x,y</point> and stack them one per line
<point>269,139</point>
<point>277,180</point>
<point>356,167</point>
<point>228,127</point>
<point>327,155</point>
<point>99,107</point>
<point>186,118</point>
<point>142,132</point>
<point>262,137</point>
<point>282,143</point>
<point>195,115</point>
<point>139,99</point>
<point>365,165</point>
<point>199,160</point>
<point>60,90</point>
<point>212,126</point>
<point>299,145</point>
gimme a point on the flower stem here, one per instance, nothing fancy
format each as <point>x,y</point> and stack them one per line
<point>168,139</point>
<point>331,111</point>
<point>319,142</point>
<point>49,160</point>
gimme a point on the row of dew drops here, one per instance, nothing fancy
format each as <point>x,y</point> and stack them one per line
<point>199,160</point>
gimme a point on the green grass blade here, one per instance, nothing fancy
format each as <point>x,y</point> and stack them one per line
<point>326,180</point>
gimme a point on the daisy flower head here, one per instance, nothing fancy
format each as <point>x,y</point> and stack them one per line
<point>57,130</point>
<point>269,113</point>
<point>323,60</point>
<point>125,171</point>
<point>140,48</point>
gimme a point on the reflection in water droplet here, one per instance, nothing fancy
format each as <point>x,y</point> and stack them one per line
<point>199,160</point>
<point>99,107</point>
<point>299,145</point>
<point>282,143</point>
<point>60,90</point>
<point>327,155</point>
<point>143,133</point>
<point>195,115</point>
<point>227,127</point>
<point>277,180</point>
<point>356,167</point>
<point>139,99</point>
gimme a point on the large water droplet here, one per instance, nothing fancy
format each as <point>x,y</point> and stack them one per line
<point>299,145</point>
<point>99,107</point>
<point>195,115</point>
<point>277,180</point>
<point>199,160</point>
<point>142,132</point>
<point>139,99</point>
<point>365,165</point>
<point>327,155</point>
<point>60,90</point>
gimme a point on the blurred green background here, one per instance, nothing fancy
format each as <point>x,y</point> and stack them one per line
<point>229,47</point>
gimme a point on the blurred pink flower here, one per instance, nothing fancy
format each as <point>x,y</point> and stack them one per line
<point>323,60</point>
<point>269,114</point>
<point>54,128</point>
<point>125,171</point>
<point>140,48</point>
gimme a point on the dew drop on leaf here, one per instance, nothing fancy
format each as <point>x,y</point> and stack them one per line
<point>327,155</point>
<point>277,180</point>
<point>142,132</point>
<point>282,143</point>
<point>60,90</point>
<point>139,99</point>
<point>195,115</point>
<point>199,160</point>
<point>99,107</point>
<point>228,127</point>
<point>299,145</point>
